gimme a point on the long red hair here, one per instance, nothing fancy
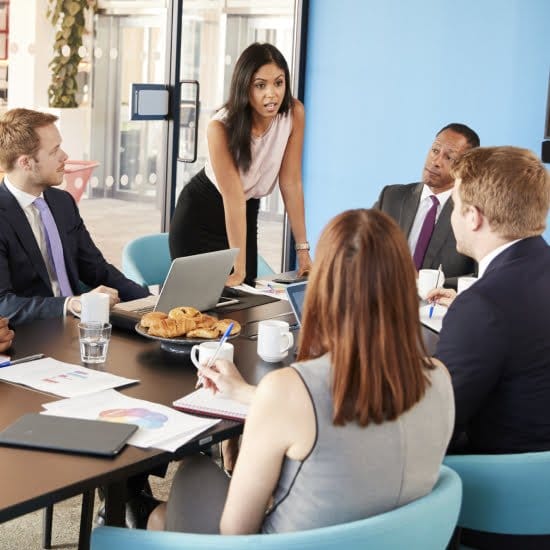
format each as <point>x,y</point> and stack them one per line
<point>361,307</point>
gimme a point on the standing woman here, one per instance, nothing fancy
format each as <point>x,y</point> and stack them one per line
<point>255,140</point>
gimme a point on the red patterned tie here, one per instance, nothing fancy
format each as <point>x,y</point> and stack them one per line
<point>425,234</point>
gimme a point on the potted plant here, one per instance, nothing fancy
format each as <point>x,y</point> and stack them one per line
<point>68,17</point>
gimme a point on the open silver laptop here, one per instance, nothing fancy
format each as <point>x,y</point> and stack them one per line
<point>195,281</point>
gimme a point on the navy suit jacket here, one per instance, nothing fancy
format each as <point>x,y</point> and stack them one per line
<point>495,341</point>
<point>25,288</point>
<point>401,203</point>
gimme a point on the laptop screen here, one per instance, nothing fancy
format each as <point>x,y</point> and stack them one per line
<point>296,294</point>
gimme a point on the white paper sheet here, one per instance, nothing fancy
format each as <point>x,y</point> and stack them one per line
<point>63,379</point>
<point>159,426</point>
<point>437,317</point>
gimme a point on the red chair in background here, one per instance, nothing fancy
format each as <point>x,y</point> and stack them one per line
<point>77,175</point>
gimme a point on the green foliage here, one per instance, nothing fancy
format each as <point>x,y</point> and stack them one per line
<point>68,17</point>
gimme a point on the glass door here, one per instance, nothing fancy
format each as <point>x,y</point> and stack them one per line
<point>132,191</point>
<point>126,194</point>
<point>213,34</point>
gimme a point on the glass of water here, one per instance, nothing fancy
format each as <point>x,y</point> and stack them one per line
<point>94,341</point>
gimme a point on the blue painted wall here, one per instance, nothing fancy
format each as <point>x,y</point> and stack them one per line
<point>382,76</point>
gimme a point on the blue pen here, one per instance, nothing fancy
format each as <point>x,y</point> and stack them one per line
<point>22,360</point>
<point>436,285</point>
<point>212,359</point>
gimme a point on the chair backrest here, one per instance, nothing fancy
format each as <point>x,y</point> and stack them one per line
<point>424,524</point>
<point>146,260</point>
<point>507,494</point>
<point>264,269</point>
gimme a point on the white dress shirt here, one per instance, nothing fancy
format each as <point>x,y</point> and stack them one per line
<point>423,206</point>
<point>486,260</point>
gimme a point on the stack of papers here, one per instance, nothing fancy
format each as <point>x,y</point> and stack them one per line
<point>62,379</point>
<point>268,288</point>
<point>158,426</point>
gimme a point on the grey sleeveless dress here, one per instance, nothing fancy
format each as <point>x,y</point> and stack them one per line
<point>353,472</point>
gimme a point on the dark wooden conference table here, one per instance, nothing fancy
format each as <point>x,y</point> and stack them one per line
<point>32,479</point>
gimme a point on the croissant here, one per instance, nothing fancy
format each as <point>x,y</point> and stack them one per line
<point>165,328</point>
<point>222,325</point>
<point>184,325</point>
<point>183,311</point>
<point>203,333</point>
<point>152,317</point>
<point>206,321</point>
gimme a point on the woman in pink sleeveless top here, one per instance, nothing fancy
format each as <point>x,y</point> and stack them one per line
<point>254,142</point>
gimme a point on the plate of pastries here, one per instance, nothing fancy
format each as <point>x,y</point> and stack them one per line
<point>184,325</point>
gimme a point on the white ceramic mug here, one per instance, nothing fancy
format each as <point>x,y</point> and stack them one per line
<point>427,280</point>
<point>201,353</point>
<point>274,340</point>
<point>463,283</point>
<point>95,307</point>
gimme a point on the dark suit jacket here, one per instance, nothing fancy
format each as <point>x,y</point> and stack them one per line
<point>401,203</point>
<point>495,341</point>
<point>25,288</point>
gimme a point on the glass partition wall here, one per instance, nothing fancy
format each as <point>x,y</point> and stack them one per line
<point>130,192</point>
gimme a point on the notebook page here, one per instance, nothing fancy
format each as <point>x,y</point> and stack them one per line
<point>204,401</point>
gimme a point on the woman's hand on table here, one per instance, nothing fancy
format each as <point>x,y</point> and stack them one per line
<point>304,262</point>
<point>225,378</point>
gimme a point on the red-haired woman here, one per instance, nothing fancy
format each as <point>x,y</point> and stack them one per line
<point>357,426</point>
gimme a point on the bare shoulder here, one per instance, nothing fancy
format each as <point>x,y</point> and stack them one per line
<point>279,382</point>
<point>298,110</point>
<point>216,130</point>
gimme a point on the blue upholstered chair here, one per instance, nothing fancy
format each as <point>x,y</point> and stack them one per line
<point>425,524</point>
<point>506,494</point>
<point>264,269</point>
<point>146,260</point>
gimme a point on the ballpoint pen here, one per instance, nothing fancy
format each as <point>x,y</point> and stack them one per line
<point>22,360</point>
<point>436,286</point>
<point>213,358</point>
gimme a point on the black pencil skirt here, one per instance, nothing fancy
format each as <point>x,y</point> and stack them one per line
<point>198,224</point>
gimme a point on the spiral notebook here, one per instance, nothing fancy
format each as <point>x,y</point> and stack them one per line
<point>204,402</point>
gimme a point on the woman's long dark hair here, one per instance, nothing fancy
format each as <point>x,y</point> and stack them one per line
<point>239,112</point>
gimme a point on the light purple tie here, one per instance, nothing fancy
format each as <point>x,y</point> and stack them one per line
<point>55,248</point>
<point>425,233</point>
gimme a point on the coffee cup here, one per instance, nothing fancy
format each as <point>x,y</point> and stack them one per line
<point>274,340</point>
<point>429,279</point>
<point>463,283</point>
<point>203,352</point>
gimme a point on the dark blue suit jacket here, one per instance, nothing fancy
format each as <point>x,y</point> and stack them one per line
<point>495,341</point>
<point>25,288</point>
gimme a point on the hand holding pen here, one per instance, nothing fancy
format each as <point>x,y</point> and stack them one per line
<point>214,356</point>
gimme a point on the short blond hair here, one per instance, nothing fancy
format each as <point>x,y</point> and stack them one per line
<point>508,185</point>
<point>18,134</point>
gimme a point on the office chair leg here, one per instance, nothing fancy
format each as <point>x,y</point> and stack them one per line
<point>86,516</point>
<point>47,520</point>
